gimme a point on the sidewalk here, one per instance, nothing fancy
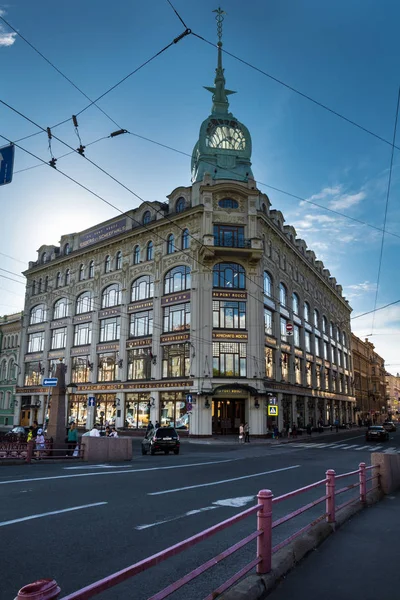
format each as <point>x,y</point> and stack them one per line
<point>360,560</point>
<point>234,441</point>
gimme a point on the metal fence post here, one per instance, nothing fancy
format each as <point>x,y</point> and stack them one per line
<point>363,483</point>
<point>29,452</point>
<point>264,524</point>
<point>330,493</point>
<point>42,589</point>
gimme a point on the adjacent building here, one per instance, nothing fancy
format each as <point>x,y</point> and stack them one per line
<point>204,311</point>
<point>369,380</point>
<point>10,334</point>
<point>393,394</point>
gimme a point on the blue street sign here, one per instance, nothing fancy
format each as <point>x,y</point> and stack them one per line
<point>91,401</point>
<point>6,164</point>
<point>189,397</point>
<point>50,382</point>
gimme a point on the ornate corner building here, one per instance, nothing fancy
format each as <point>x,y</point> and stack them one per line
<point>10,334</point>
<point>196,312</point>
<point>369,381</point>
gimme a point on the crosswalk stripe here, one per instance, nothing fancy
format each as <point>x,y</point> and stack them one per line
<point>388,450</point>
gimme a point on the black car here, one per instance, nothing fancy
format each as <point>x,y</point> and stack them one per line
<point>376,433</point>
<point>162,439</point>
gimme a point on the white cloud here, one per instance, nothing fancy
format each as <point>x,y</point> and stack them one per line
<point>325,193</point>
<point>366,286</point>
<point>6,39</point>
<point>346,200</point>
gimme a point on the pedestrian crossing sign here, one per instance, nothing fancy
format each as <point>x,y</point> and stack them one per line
<point>272,411</point>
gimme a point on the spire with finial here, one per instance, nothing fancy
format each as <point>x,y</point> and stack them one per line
<point>220,100</point>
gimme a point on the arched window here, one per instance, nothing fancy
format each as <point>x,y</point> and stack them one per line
<point>12,341</point>
<point>177,280</point>
<point>67,276</point>
<point>3,372</point>
<point>331,329</point>
<point>170,244</point>
<point>67,249</point>
<point>44,258</point>
<point>267,284</point>
<point>338,334</point>
<point>11,369</point>
<point>81,273</point>
<point>91,269</point>
<point>228,203</point>
<point>306,312</point>
<point>107,264</point>
<point>33,288</point>
<point>60,309</point>
<point>316,319</point>
<point>295,303</point>
<point>264,208</point>
<point>146,217</point>
<point>229,275</point>
<point>180,205</point>
<point>118,260</point>
<point>111,296</point>
<point>58,280</point>
<point>37,314</point>
<point>324,324</point>
<point>282,294</point>
<point>344,339</point>
<point>84,303</point>
<point>46,283</point>
<point>185,239</point>
<point>149,251</point>
<point>142,288</point>
<point>136,255</point>
<point>40,286</point>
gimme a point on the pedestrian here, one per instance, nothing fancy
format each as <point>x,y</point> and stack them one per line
<point>287,429</point>
<point>276,432</point>
<point>309,430</point>
<point>35,429</point>
<point>94,432</point>
<point>113,433</point>
<point>241,433</point>
<point>157,425</point>
<point>108,431</point>
<point>150,426</point>
<point>337,424</point>
<point>72,439</point>
<point>294,431</point>
<point>39,443</point>
<point>246,433</point>
<point>30,435</point>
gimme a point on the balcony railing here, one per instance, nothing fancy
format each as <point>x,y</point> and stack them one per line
<point>228,241</point>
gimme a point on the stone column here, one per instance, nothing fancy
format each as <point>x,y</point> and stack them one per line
<point>41,411</point>
<point>56,428</point>
<point>325,411</point>
<point>294,410</point>
<point>316,416</point>
<point>340,412</point>
<point>306,412</point>
<point>279,397</point>
<point>119,420</point>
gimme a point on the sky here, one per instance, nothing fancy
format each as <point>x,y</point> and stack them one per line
<point>342,54</point>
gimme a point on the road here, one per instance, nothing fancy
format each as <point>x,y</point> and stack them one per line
<point>126,512</point>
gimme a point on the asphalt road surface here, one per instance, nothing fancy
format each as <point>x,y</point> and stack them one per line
<point>106,517</point>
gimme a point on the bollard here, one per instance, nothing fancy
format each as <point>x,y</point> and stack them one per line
<point>42,589</point>
<point>363,483</point>
<point>29,451</point>
<point>330,493</point>
<point>264,524</point>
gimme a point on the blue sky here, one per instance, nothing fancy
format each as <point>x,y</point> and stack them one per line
<point>343,54</point>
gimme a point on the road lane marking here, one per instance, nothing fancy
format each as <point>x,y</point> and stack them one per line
<point>389,450</point>
<point>99,473</point>
<point>48,514</point>
<point>200,485</point>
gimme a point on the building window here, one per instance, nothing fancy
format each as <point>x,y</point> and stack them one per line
<point>185,239</point>
<point>58,338</point>
<point>77,409</point>
<point>339,358</point>
<point>298,371</point>
<point>141,324</point>
<point>67,249</point>
<point>142,288</point>
<point>146,217</point>
<point>306,312</point>
<point>316,319</point>
<point>107,264</point>
<point>137,410</point>
<point>324,324</point>
<point>268,322</point>
<point>136,255</point>
<point>229,359</point>
<point>344,339</point>
<point>110,329</point>
<point>33,375</point>
<point>177,317</point>
<point>170,244</point>
<point>345,360</point>
<point>285,358</point>
<point>333,355</point>
<point>176,361</point>
<point>46,283</point>
<point>283,323</point>
<point>331,329</point>
<point>58,280</point>
<point>295,303</point>
<point>229,236</point>
<point>107,367</point>
<point>326,351</point>
<point>173,410</point>
<point>111,296</point>
<point>84,303</point>
<point>338,335</point>
<point>44,258</point>
<point>149,251</point>
<point>228,203</point>
<point>326,376</point>
<point>229,315</point>
<point>317,346</point>
<point>296,335</point>
<point>118,260</point>
<point>40,286</point>
<point>307,341</point>
<point>33,288</point>
<point>81,273</point>
<point>177,280</point>
<point>139,363</point>
<point>180,205</point>
<point>36,342</point>
<point>282,294</point>
<point>267,284</point>
<point>229,275</point>
<point>80,369</point>
<point>83,334</point>
<point>60,309</point>
<point>37,314</point>
<point>309,374</point>
<point>269,362</point>
<point>67,277</point>
<point>91,269</point>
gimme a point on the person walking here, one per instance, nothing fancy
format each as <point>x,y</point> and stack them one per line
<point>150,426</point>
<point>246,433</point>
<point>72,439</point>
<point>94,432</point>
<point>157,425</point>
<point>337,424</point>
<point>241,434</point>
<point>309,430</point>
<point>39,443</point>
<point>294,431</point>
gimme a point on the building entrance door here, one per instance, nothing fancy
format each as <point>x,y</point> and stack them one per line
<point>227,415</point>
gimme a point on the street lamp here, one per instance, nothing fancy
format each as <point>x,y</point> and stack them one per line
<point>71,388</point>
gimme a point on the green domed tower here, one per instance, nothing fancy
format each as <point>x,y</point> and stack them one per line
<point>224,145</point>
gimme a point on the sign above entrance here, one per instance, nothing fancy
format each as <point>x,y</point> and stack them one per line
<point>272,411</point>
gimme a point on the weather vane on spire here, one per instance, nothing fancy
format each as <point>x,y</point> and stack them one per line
<point>219,18</point>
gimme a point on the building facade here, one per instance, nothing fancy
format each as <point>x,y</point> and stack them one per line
<point>393,395</point>
<point>369,381</point>
<point>199,312</point>
<point>10,334</point>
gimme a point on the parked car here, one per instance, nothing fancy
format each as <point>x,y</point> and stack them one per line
<point>162,439</point>
<point>389,426</point>
<point>376,433</point>
<point>18,431</point>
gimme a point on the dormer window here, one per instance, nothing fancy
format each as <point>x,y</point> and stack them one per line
<point>44,258</point>
<point>228,203</point>
<point>146,217</point>
<point>180,205</point>
<point>67,249</point>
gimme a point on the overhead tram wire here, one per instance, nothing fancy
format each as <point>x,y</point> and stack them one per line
<point>386,207</point>
<point>177,14</point>
<point>12,273</point>
<point>12,258</point>
<point>296,91</point>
